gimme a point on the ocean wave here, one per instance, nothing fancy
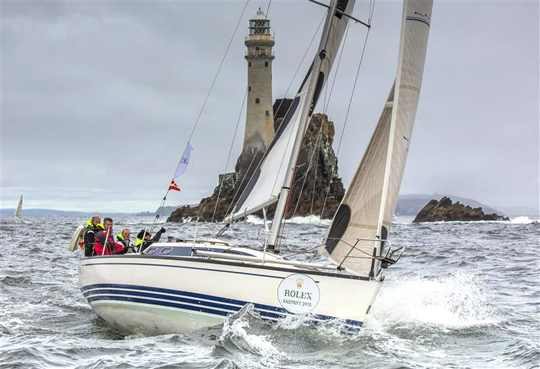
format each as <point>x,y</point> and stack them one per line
<point>242,332</point>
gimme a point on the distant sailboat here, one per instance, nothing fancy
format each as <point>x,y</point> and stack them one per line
<point>17,213</point>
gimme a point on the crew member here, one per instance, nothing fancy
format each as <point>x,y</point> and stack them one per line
<point>144,239</point>
<point>105,244</point>
<point>123,238</point>
<point>93,226</point>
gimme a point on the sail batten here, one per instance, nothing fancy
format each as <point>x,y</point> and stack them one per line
<point>361,224</point>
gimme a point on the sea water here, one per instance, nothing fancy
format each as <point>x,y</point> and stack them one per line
<point>464,295</point>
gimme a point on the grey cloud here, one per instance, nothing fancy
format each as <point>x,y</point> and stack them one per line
<point>99,98</point>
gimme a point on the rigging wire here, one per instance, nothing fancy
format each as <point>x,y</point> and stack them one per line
<point>326,104</point>
<point>325,110</point>
<point>241,183</point>
<point>234,137</point>
<point>229,156</point>
<point>295,73</point>
<point>218,70</point>
<point>371,11</point>
<point>306,174</point>
<point>315,172</point>
<point>161,208</point>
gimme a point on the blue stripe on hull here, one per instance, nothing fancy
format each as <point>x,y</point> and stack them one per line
<point>180,293</point>
<point>109,294</point>
<point>160,303</point>
<point>120,292</point>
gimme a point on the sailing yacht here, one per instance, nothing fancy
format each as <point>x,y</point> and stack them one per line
<point>176,287</point>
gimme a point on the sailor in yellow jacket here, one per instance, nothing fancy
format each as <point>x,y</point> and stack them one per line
<point>144,239</point>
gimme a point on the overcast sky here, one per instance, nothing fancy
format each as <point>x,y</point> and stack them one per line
<point>99,98</point>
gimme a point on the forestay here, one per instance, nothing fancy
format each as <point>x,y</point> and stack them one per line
<point>367,210</point>
<point>265,185</point>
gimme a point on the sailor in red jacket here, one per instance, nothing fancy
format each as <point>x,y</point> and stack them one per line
<point>105,245</point>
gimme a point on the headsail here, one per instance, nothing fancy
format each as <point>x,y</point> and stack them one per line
<point>368,207</point>
<point>265,185</point>
<point>17,213</point>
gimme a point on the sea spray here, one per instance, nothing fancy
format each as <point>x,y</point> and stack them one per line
<point>244,331</point>
<point>524,220</point>
<point>452,301</point>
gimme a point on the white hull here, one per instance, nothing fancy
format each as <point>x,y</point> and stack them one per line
<point>177,294</point>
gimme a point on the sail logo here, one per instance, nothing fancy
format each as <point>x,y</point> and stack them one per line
<point>419,17</point>
<point>298,294</point>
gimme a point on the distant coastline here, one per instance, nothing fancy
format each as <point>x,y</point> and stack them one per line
<point>408,205</point>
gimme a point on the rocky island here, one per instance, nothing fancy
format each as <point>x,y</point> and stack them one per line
<point>317,188</point>
<point>445,210</point>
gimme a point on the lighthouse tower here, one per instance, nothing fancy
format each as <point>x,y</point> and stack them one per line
<point>259,116</point>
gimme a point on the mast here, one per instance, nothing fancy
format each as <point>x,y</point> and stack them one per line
<point>306,113</point>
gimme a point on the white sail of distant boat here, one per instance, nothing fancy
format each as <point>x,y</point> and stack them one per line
<point>366,212</point>
<point>17,213</point>
<point>179,286</point>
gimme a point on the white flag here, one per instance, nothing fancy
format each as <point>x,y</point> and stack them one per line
<point>184,161</point>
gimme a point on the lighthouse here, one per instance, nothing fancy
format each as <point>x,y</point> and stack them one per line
<point>259,115</point>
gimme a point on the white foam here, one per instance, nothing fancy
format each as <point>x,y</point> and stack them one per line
<point>310,220</point>
<point>253,219</point>
<point>523,220</point>
<point>454,301</point>
<point>307,220</point>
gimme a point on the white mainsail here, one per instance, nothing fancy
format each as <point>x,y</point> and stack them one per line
<point>366,212</point>
<point>265,185</point>
<point>17,213</point>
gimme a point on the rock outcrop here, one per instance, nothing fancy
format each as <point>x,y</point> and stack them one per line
<point>317,189</point>
<point>446,211</point>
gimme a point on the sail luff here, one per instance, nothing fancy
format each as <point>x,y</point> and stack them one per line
<point>391,139</point>
<point>367,209</point>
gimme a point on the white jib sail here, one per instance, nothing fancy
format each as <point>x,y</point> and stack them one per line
<point>367,210</point>
<point>17,212</point>
<point>265,185</point>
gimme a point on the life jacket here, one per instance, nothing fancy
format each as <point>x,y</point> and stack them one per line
<point>120,236</point>
<point>138,242</point>
<point>107,246</point>
<point>89,224</point>
<point>122,240</point>
<point>89,237</point>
